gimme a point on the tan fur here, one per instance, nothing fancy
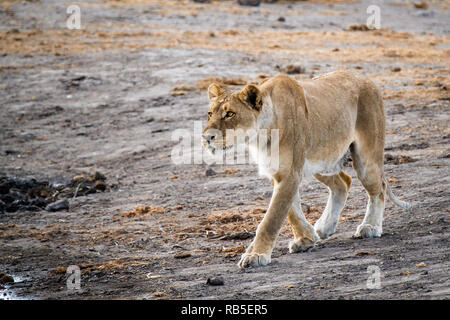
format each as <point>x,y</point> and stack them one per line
<point>318,122</point>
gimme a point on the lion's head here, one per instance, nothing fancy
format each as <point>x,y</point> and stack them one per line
<point>230,111</point>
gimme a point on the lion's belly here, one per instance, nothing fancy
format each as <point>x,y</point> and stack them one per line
<point>327,166</point>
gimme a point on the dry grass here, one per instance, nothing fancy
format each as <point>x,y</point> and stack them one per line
<point>141,210</point>
<point>107,266</point>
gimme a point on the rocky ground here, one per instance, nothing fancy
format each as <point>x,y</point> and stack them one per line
<point>86,174</point>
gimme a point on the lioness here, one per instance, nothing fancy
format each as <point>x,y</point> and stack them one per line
<point>318,122</point>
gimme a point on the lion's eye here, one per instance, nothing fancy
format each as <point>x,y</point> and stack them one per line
<point>209,114</point>
<point>230,114</point>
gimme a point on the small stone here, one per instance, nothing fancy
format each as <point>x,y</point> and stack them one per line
<point>281,19</point>
<point>253,3</point>
<point>61,269</point>
<point>58,205</point>
<point>358,27</point>
<point>100,185</point>
<point>215,281</point>
<point>421,5</point>
<point>182,255</point>
<point>396,69</point>
<point>210,172</point>
<point>98,176</point>
<point>421,264</point>
<point>158,294</point>
<point>244,235</point>
<point>6,278</point>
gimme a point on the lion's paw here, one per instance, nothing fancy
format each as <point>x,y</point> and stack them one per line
<point>367,231</point>
<point>254,260</point>
<point>301,245</point>
<point>324,231</point>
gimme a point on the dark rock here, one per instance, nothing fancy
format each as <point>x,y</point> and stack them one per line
<point>253,3</point>
<point>100,185</point>
<point>6,278</point>
<point>281,19</point>
<point>358,27</point>
<point>28,194</point>
<point>5,185</point>
<point>7,198</point>
<point>58,205</point>
<point>38,202</point>
<point>244,235</point>
<point>98,176</point>
<point>210,172</point>
<point>421,5</point>
<point>215,281</point>
<point>10,152</point>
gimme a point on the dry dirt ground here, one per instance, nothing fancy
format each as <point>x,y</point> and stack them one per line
<point>108,97</point>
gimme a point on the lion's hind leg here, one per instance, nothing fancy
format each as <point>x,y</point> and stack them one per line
<point>338,186</point>
<point>370,173</point>
<point>368,156</point>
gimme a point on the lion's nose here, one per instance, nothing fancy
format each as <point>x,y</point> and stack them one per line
<point>208,137</point>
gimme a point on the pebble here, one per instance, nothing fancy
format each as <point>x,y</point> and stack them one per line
<point>182,255</point>
<point>253,3</point>
<point>215,281</point>
<point>210,172</point>
<point>6,278</point>
<point>58,205</point>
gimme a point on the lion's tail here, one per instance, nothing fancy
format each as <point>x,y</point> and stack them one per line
<point>405,205</point>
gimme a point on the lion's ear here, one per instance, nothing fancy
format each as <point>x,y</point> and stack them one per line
<point>252,96</point>
<point>214,91</point>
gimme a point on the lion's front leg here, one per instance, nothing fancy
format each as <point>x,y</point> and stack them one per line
<point>305,236</point>
<point>260,250</point>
